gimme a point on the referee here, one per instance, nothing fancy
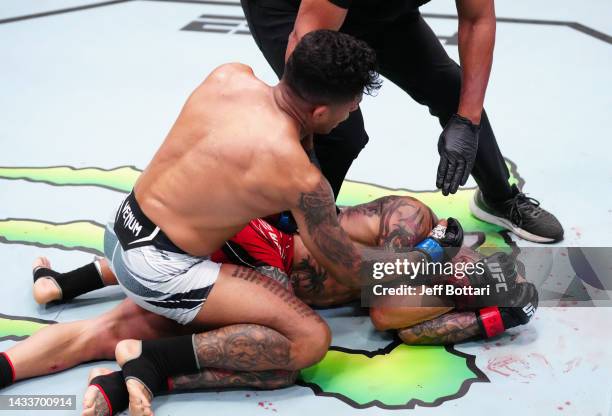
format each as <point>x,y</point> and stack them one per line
<point>410,55</point>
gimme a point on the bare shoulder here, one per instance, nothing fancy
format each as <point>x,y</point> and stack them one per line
<point>231,79</point>
<point>231,69</point>
<point>234,79</point>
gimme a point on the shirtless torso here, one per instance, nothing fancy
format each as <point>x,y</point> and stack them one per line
<point>232,155</point>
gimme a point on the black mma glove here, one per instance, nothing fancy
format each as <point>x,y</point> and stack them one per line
<point>443,243</point>
<point>521,306</point>
<point>499,274</point>
<point>523,303</point>
<point>496,272</point>
<point>457,147</point>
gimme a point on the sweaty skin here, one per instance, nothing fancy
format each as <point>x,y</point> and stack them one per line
<point>222,164</point>
<point>392,222</point>
<point>387,222</point>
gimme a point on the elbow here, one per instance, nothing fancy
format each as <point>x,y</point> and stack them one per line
<point>293,37</point>
<point>380,319</point>
<point>292,41</point>
<point>483,18</point>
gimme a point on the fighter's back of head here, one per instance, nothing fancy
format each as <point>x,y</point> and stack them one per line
<point>329,67</point>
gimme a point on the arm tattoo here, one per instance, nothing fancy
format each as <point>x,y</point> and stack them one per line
<point>403,220</point>
<point>318,206</point>
<point>321,221</point>
<point>217,378</point>
<point>368,209</point>
<point>449,328</point>
<point>244,347</point>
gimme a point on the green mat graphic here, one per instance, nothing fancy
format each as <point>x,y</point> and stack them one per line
<point>399,376</point>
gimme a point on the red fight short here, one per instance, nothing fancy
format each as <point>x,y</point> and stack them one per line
<point>258,244</point>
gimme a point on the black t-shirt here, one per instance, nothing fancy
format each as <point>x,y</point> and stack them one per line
<point>361,10</point>
<point>378,9</point>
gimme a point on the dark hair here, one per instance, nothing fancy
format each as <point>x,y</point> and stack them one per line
<point>331,67</point>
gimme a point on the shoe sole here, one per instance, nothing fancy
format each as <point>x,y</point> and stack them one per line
<point>502,222</point>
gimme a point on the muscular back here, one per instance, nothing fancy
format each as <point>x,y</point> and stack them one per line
<point>230,157</point>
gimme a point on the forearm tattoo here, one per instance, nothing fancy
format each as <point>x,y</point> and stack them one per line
<point>449,328</point>
<point>368,209</point>
<point>211,378</point>
<point>319,212</point>
<point>321,220</point>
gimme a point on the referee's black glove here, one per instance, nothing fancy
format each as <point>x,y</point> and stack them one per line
<point>457,146</point>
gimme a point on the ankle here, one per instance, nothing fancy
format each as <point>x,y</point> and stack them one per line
<point>7,371</point>
<point>46,290</point>
<point>152,361</point>
<point>500,195</point>
<point>127,349</point>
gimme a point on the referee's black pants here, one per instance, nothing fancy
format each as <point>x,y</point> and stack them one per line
<point>410,55</point>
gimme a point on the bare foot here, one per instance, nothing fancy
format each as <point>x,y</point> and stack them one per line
<point>140,398</point>
<point>45,290</point>
<point>94,403</point>
<point>140,395</point>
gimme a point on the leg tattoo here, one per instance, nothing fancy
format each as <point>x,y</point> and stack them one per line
<point>210,378</point>
<point>243,347</point>
<point>447,329</point>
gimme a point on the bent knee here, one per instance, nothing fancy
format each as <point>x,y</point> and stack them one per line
<point>105,330</point>
<point>311,347</point>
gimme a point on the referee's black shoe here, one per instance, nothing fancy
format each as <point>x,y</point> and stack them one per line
<point>521,215</point>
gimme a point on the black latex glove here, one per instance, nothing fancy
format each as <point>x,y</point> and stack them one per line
<point>457,147</point>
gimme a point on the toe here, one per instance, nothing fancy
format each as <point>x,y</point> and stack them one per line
<point>41,262</point>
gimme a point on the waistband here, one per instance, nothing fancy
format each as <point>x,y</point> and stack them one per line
<point>134,229</point>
